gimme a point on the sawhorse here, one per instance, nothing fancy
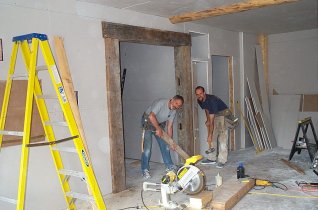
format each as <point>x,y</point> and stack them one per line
<point>311,146</point>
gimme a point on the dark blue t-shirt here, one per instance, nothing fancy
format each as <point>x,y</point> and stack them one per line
<point>213,104</point>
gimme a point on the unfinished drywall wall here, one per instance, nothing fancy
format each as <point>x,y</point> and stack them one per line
<point>150,75</point>
<point>293,70</point>
<point>293,66</point>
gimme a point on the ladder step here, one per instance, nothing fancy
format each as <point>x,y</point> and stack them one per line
<point>8,200</point>
<point>80,196</point>
<point>68,172</point>
<point>61,123</point>
<point>13,76</point>
<point>41,68</point>
<point>11,133</point>
<point>46,97</point>
<point>65,149</point>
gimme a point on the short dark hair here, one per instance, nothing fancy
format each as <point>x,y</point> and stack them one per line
<point>200,87</point>
<point>178,97</point>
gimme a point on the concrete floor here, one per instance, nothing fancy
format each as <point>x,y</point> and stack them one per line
<point>266,165</point>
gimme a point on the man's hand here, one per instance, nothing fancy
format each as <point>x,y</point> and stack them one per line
<point>173,146</point>
<point>159,132</point>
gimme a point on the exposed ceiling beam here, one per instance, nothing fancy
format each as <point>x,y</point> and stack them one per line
<point>224,10</point>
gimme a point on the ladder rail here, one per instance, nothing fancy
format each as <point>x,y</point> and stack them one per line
<point>7,91</point>
<point>68,114</point>
<point>48,130</point>
<point>27,124</point>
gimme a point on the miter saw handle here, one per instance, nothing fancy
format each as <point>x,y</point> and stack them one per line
<point>148,186</point>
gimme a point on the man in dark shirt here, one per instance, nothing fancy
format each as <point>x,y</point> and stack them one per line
<point>218,119</point>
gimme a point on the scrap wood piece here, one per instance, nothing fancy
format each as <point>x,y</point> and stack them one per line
<point>293,166</point>
<point>178,149</point>
<point>230,193</point>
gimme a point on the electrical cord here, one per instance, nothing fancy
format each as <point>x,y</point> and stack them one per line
<point>279,186</point>
<point>142,199</point>
<point>307,187</point>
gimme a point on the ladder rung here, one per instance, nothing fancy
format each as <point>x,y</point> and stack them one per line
<point>80,196</point>
<point>65,149</point>
<point>11,133</point>
<point>46,97</point>
<point>68,172</point>
<point>13,76</point>
<point>8,200</point>
<point>56,123</point>
<point>41,68</point>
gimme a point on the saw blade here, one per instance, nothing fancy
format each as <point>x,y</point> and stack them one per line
<point>197,182</point>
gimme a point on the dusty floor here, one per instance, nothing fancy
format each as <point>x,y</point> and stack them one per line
<point>266,165</point>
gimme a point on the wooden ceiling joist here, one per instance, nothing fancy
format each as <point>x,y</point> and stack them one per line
<point>224,10</point>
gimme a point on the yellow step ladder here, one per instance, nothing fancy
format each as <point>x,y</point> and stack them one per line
<point>29,45</point>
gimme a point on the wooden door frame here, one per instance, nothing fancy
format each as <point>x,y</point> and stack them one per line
<point>113,34</point>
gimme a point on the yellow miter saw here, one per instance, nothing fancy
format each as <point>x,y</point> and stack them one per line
<point>188,179</point>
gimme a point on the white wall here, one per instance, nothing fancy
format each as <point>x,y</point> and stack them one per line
<point>150,75</point>
<point>293,70</point>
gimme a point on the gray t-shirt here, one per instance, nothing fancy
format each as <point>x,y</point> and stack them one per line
<point>160,108</point>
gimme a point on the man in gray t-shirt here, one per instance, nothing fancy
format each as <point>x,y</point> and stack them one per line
<point>158,116</point>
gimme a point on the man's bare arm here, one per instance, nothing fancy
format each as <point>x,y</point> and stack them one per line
<point>153,119</point>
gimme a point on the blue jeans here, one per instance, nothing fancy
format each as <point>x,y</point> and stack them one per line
<point>146,154</point>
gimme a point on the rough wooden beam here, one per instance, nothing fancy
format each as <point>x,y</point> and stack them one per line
<point>230,192</point>
<point>182,56</point>
<point>224,10</point>
<point>136,34</point>
<point>115,117</point>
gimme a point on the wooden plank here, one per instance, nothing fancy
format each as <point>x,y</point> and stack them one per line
<point>183,81</point>
<point>264,94</point>
<point>267,124</point>
<point>179,150</point>
<point>115,117</point>
<point>128,33</point>
<point>66,78</point>
<point>293,166</point>
<point>16,111</point>
<point>230,193</point>
<point>263,42</point>
<point>228,9</point>
<point>200,200</point>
